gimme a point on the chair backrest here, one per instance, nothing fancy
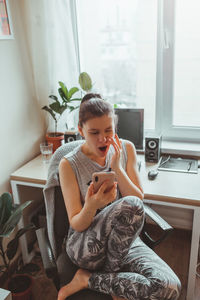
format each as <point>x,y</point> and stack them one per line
<point>61,222</point>
<point>59,218</point>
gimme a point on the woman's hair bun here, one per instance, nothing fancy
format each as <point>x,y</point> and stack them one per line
<point>90,96</point>
<point>97,107</point>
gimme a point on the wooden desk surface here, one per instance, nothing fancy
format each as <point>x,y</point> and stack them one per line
<point>168,186</point>
<point>35,171</point>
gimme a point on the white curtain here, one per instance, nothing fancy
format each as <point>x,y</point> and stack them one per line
<point>51,44</point>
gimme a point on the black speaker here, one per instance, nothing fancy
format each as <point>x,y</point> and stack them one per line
<point>71,136</point>
<point>152,149</point>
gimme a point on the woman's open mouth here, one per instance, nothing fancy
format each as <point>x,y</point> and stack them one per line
<point>103,149</point>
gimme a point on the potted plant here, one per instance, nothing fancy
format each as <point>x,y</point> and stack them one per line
<point>10,214</point>
<point>57,108</point>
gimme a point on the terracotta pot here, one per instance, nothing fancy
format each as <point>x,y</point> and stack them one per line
<point>20,286</point>
<point>56,140</point>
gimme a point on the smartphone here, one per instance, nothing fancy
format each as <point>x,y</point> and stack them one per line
<point>99,177</point>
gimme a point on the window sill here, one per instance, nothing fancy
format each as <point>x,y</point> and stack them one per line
<point>180,148</point>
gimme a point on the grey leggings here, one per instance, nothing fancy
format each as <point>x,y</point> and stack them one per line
<point>121,264</point>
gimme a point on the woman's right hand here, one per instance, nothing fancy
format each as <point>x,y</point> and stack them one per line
<point>101,198</point>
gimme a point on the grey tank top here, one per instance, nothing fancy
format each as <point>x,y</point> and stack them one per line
<point>84,167</point>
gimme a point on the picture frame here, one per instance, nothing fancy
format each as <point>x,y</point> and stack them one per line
<point>6,31</point>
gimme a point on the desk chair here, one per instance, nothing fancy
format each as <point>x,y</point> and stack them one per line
<point>56,262</point>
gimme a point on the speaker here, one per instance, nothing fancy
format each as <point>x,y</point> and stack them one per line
<point>152,149</point>
<point>71,136</point>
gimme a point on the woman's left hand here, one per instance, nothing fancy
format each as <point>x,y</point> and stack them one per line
<point>117,144</point>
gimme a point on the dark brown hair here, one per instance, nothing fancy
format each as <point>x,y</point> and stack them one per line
<point>92,105</point>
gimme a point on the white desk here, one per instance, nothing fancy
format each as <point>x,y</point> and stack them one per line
<point>33,174</point>
<point>168,189</point>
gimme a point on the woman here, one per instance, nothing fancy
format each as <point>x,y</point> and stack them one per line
<point>104,226</point>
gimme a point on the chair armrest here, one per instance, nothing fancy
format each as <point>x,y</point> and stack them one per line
<point>48,259</point>
<point>157,218</point>
<point>166,228</point>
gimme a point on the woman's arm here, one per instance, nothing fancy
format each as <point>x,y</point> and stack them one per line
<point>128,180</point>
<point>81,216</point>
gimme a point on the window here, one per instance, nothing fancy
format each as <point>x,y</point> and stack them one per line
<point>140,57</point>
<point>187,64</point>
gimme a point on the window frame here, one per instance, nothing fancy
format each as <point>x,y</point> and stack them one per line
<point>164,75</point>
<point>169,131</point>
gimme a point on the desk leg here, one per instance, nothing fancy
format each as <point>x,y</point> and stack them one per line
<point>193,254</point>
<point>26,256</point>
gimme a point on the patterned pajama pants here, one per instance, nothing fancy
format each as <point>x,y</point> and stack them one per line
<point>121,264</point>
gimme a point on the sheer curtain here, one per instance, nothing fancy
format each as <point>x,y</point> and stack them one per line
<point>51,47</point>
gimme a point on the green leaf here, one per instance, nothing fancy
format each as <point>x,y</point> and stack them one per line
<point>13,220</point>
<point>63,108</point>
<point>14,243</point>
<point>50,111</point>
<point>6,207</point>
<point>29,268</point>
<point>24,230</point>
<point>64,89</point>
<point>59,109</point>
<point>62,95</point>
<point>75,99</point>
<point>12,248</point>
<point>72,91</point>
<point>76,107</point>
<point>55,107</point>
<point>71,108</point>
<point>55,98</point>
<point>2,268</point>
<point>85,81</point>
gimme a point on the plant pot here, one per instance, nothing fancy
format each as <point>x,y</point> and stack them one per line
<point>20,286</point>
<point>55,138</point>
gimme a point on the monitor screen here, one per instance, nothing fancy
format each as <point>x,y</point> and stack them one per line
<point>131,125</point>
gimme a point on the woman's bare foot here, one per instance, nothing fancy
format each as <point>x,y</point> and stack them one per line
<point>79,282</point>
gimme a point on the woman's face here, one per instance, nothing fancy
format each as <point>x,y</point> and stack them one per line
<point>96,132</point>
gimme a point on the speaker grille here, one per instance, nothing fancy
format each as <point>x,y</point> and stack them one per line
<point>152,149</point>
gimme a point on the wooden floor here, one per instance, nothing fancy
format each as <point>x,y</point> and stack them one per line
<point>174,250</point>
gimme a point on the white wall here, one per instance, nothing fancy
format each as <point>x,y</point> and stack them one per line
<point>22,125</point>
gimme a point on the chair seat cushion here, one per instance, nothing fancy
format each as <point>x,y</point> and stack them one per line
<point>66,271</point>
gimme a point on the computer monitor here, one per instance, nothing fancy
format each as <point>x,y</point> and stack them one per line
<point>131,125</point>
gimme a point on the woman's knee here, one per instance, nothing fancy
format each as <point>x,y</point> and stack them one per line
<point>133,205</point>
<point>129,211</point>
